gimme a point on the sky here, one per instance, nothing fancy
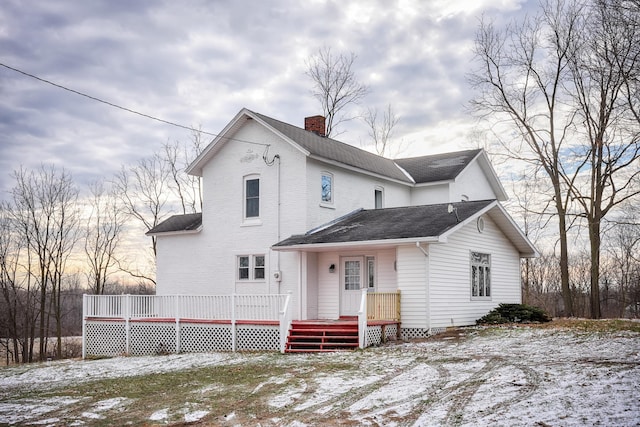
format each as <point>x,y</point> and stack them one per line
<point>197,63</point>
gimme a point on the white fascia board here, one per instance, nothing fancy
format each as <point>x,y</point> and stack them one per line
<point>407,174</point>
<point>490,173</point>
<point>320,247</point>
<point>362,171</point>
<point>472,218</point>
<point>279,134</point>
<point>195,168</point>
<point>175,233</point>
<point>534,252</point>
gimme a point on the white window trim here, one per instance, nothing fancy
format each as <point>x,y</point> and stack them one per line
<point>330,203</point>
<point>471,264</point>
<point>251,220</point>
<point>381,190</point>
<point>252,268</point>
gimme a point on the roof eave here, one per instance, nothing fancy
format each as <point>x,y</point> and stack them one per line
<point>356,169</point>
<point>173,233</point>
<point>319,247</point>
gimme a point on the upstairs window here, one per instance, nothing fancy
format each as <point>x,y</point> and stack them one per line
<point>480,275</point>
<point>326,191</point>
<point>377,194</point>
<point>251,197</point>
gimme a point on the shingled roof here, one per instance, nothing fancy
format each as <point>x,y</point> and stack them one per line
<point>410,222</point>
<point>178,223</point>
<point>437,167</point>
<point>331,149</point>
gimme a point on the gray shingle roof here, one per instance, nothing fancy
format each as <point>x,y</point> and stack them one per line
<point>391,223</point>
<point>437,167</point>
<point>332,149</point>
<point>175,223</point>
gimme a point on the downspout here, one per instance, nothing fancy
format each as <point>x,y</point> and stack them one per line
<point>428,284</point>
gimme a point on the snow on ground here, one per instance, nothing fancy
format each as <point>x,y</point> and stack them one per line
<point>503,377</point>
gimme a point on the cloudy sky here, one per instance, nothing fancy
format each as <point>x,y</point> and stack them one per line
<point>197,63</point>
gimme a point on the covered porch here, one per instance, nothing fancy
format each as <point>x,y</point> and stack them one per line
<point>116,325</point>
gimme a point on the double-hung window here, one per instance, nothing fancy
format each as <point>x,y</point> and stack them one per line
<point>480,275</point>
<point>251,267</point>
<point>252,197</point>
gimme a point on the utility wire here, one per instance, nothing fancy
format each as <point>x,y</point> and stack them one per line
<point>107,102</point>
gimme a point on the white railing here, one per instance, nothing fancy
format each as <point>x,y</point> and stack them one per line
<point>203,307</point>
<point>362,320</point>
<point>180,308</point>
<point>285,323</point>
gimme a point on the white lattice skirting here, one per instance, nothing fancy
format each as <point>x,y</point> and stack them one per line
<point>110,338</point>
<point>377,334</point>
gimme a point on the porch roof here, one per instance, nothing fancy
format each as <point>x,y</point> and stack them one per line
<point>392,226</point>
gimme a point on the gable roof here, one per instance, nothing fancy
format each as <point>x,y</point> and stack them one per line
<point>437,167</point>
<point>410,171</point>
<point>427,223</point>
<point>188,223</point>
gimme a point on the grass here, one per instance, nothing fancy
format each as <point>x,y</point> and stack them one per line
<point>242,389</point>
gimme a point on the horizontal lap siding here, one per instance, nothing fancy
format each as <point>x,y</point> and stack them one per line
<point>386,280</point>
<point>412,282</point>
<point>450,283</point>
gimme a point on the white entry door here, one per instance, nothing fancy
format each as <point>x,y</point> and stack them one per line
<point>351,281</point>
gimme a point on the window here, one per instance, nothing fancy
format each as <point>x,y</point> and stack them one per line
<point>378,198</point>
<point>251,267</point>
<point>252,198</point>
<point>351,275</point>
<point>326,193</point>
<point>480,275</point>
<point>371,273</point>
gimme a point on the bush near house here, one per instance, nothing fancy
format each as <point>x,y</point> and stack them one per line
<point>514,313</point>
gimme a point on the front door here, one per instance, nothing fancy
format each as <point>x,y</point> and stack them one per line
<point>351,281</point>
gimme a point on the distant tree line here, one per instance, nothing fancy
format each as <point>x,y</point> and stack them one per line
<point>56,244</point>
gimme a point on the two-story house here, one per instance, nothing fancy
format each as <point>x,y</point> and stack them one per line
<point>290,211</point>
<point>282,213</point>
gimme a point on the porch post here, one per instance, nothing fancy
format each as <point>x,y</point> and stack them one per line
<point>84,326</point>
<point>362,320</point>
<point>127,326</point>
<point>177,303</point>
<point>233,323</point>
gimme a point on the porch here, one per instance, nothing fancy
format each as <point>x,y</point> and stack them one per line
<point>150,324</point>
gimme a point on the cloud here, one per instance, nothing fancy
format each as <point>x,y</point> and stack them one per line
<point>199,62</point>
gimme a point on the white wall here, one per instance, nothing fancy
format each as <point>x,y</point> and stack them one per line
<point>430,194</point>
<point>412,281</point>
<point>450,283</point>
<point>473,183</point>
<point>351,191</point>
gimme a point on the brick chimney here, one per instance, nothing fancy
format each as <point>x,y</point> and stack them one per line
<point>315,124</point>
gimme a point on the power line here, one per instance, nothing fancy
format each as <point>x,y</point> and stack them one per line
<point>107,102</point>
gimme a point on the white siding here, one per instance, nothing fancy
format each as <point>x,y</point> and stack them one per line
<point>473,183</point>
<point>387,280</point>
<point>450,287</point>
<point>351,191</point>
<point>430,194</point>
<point>412,282</point>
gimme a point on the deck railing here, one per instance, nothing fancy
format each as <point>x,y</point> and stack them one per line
<point>203,307</point>
<point>383,306</point>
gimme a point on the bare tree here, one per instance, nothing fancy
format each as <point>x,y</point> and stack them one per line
<point>520,82</point>
<point>567,79</point>
<point>178,156</point>
<point>609,151</point>
<point>103,232</point>
<point>44,212</point>
<point>335,86</point>
<point>381,130</point>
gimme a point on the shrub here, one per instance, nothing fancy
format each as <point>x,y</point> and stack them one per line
<point>514,313</point>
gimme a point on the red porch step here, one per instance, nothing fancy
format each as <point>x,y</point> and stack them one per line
<point>309,337</point>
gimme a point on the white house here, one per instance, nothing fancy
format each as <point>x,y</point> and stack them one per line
<point>265,181</point>
<point>288,211</point>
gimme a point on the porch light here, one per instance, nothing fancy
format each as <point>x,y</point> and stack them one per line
<point>332,268</point>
